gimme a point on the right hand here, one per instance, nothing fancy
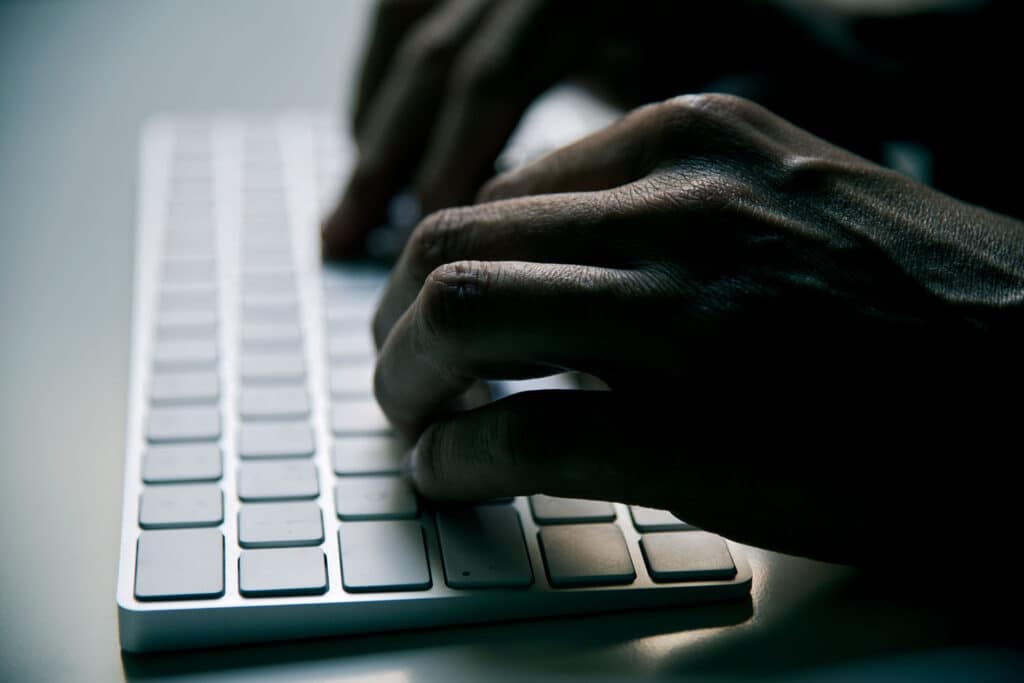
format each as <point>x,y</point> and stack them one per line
<point>805,351</point>
<point>445,82</point>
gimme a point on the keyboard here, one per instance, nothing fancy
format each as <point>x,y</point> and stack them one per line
<point>263,494</point>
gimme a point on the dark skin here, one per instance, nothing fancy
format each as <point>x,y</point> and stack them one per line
<point>444,83</point>
<point>781,322</point>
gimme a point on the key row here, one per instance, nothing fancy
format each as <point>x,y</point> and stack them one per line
<point>189,564</point>
<point>188,302</point>
<point>482,547</point>
<point>386,496</point>
<point>259,366</point>
<point>259,524</point>
<point>352,455</point>
<point>187,462</point>
<point>173,423</point>
<point>174,505</point>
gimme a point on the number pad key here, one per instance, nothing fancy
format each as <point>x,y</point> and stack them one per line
<point>181,505</point>
<point>179,564</point>
<point>275,440</point>
<point>282,571</point>
<point>586,555</point>
<point>383,556</point>
<point>367,455</point>
<point>359,417</point>
<point>181,462</point>
<point>277,480</point>
<point>375,497</point>
<point>263,403</point>
<point>183,424</point>
<point>266,525</point>
<point>687,556</point>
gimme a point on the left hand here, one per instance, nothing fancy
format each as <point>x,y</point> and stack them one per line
<point>445,82</point>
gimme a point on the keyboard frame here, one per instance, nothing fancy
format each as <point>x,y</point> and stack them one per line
<point>230,619</point>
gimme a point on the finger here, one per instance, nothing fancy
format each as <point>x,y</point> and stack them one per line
<point>616,155</point>
<point>391,23</point>
<point>563,443</point>
<point>493,320</point>
<point>697,462</point>
<point>399,121</point>
<point>512,59</point>
<point>590,229</point>
<point>635,449</point>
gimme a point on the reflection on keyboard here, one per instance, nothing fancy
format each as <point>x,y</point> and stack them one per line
<point>263,494</point>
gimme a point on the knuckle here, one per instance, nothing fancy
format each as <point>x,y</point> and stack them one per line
<point>647,116</point>
<point>450,300</point>
<point>714,147</point>
<point>684,117</point>
<point>711,104</point>
<point>677,117</point>
<point>802,174</point>
<point>436,241</point>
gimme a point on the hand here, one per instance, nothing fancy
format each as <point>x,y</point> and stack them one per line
<point>790,334</point>
<point>445,82</point>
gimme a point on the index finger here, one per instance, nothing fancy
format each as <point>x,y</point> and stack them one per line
<point>494,320</point>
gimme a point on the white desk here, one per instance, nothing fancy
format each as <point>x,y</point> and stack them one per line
<point>76,80</point>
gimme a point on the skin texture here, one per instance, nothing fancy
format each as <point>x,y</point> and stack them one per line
<point>782,323</point>
<point>779,321</point>
<point>444,83</point>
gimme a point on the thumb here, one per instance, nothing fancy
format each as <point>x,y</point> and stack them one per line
<point>581,444</point>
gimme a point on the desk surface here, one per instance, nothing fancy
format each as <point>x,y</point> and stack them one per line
<point>76,80</point>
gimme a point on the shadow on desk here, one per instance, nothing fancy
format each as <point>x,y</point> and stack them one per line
<point>906,624</point>
<point>805,621</point>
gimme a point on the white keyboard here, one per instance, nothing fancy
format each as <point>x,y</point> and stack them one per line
<point>263,498</point>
